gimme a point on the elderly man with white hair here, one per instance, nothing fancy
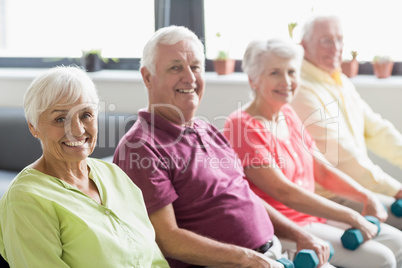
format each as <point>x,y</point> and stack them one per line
<point>202,209</point>
<point>341,122</point>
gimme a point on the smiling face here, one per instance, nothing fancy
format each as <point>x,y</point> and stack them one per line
<point>176,89</point>
<point>67,132</point>
<point>325,45</point>
<point>278,81</point>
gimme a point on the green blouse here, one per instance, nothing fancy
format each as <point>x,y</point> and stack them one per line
<point>46,222</point>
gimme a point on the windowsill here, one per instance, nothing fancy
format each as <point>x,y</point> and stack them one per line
<point>115,75</point>
<point>367,81</point>
<point>103,75</point>
<point>371,81</point>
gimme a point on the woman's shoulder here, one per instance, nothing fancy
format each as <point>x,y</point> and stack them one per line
<point>239,114</point>
<point>28,183</point>
<point>290,114</point>
<point>241,117</point>
<point>112,178</point>
<point>99,162</point>
<point>103,166</point>
<point>27,176</point>
<point>106,171</point>
<point>287,109</point>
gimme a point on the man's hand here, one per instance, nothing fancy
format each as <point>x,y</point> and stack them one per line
<point>320,247</point>
<point>258,260</point>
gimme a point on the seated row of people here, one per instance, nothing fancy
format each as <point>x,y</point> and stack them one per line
<point>198,198</point>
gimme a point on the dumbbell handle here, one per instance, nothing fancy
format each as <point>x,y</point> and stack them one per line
<point>396,208</point>
<point>353,238</point>
<point>286,263</point>
<point>305,258</point>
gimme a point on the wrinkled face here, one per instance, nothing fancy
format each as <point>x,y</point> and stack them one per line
<point>68,132</point>
<point>278,81</point>
<point>324,49</point>
<point>176,89</point>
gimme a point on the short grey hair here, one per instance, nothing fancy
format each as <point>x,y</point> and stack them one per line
<point>169,35</point>
<point>258,51</point>
<point>308,27</point>
<point>63,83</point>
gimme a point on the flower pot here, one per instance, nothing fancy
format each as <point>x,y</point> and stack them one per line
<point>383,69</point>
<point>350,68</point>
<point>92,63</point>
<point>223,67</point>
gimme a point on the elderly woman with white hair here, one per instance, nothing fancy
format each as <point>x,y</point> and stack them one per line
<point>65,209</point>
<point>282,163</point>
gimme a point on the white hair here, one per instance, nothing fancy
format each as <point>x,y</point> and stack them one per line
<point>63,83</point>
<point>168,36</point>
<point>258,51</point>
<point>308,27</point>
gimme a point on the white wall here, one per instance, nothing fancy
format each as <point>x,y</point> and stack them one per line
<point>123,91</point>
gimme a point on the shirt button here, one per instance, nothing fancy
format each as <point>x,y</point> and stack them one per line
<point>295,155</point>
<point>107,212</point>
<point>287,142</point>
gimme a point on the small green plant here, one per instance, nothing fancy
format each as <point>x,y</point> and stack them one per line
<point>381,58</point>
<point>291,27</point>
<point>222,54</point>
<point>354,54</point>
<point>98,52</point>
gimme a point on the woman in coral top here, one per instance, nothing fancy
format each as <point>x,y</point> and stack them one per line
<point>282,163</point>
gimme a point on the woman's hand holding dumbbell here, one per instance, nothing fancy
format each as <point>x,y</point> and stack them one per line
<point>374,207</point>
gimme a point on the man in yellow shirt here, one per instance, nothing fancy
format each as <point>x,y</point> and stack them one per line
<point>341,122</point>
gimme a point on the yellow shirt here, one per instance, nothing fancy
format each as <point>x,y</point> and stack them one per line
<point>344,127</point>
<point>46,222</point>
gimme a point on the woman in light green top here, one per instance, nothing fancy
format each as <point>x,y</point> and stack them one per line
<point>65,209</point>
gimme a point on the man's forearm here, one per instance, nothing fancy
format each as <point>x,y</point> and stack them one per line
<point>189,247</point>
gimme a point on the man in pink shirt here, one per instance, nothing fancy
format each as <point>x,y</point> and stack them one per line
<point>202,209</point>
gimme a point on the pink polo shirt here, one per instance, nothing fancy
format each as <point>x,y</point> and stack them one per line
<point>256,146</point>
<point>197,171</point>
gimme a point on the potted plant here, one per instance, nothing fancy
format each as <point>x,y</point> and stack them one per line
<point>351,68</point>
<point>223,64</point>
<point>291,27</point>
<point>93,61</point>
<point>382,66</point>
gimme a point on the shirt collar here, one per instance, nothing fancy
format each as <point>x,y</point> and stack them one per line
<point>161,123</point>
<point>336,76</point>
<point>312,70</point>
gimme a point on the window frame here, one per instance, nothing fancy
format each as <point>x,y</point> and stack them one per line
<point>189,13</point>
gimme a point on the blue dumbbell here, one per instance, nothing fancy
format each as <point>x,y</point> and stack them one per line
<point>286,263</point>
<point>353,238</point>
<point>305,258</point>
<point>396,208</point>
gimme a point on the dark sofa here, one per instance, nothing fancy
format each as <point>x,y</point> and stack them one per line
<point>18,148</point>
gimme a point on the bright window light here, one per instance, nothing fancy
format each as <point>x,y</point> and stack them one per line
<point>370,27</point>
<point>63,28</point>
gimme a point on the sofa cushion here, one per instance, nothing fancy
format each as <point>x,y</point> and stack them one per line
<point>6,177</point>
<point>18,148</point>
<point>111,128</point>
